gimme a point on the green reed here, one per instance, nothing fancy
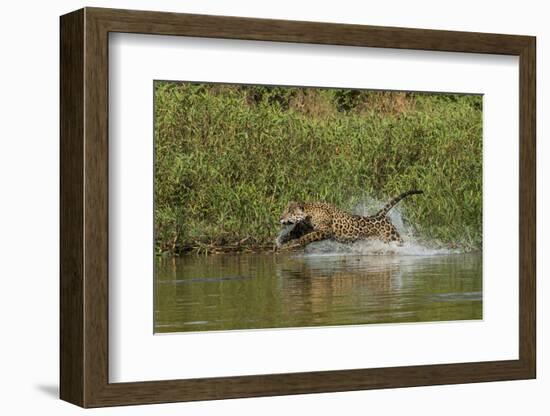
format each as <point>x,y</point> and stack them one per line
<point>229,158</point>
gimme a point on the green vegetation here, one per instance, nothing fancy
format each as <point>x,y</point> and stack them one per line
<point>229,158</point>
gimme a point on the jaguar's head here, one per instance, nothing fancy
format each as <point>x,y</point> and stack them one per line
<point>293,214</point>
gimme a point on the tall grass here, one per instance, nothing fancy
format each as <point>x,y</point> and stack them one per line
<point>229,158</point>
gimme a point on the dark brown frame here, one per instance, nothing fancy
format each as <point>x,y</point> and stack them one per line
<point>84,208</point>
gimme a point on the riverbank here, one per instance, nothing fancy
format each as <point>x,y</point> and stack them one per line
<point>228,159</point>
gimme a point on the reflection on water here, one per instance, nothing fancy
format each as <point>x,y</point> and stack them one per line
<point>202,293</point>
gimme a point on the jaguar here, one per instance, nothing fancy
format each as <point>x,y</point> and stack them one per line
<point>315,221</point>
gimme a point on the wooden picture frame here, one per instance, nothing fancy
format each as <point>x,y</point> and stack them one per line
<point>84,207</point>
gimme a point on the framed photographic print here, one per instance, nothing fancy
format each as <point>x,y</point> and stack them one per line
<point>255,207</point>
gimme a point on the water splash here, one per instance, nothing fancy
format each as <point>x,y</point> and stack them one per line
<point>412,246</point>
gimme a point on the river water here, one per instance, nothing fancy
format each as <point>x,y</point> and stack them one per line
<point>245,291</point>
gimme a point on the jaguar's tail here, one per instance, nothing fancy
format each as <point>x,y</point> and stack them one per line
<point>384,211</point>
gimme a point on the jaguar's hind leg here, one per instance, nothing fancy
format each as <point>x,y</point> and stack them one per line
<point>392,235</point>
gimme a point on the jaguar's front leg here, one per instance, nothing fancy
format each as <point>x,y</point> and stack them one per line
<point>305,240</point>
<point>297,230</point>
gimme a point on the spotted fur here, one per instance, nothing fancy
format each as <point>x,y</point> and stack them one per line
<point>315,221</point>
